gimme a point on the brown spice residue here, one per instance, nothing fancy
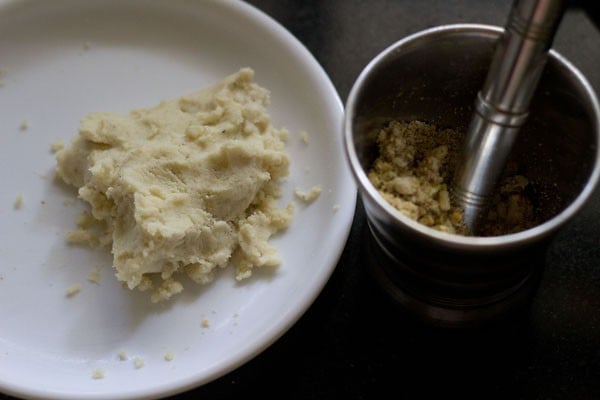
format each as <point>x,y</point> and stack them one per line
<point>415,161</point>
<point>512,209</point>
<point>415,164</point>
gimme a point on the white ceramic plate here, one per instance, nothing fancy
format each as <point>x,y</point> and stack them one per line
<point>63,59</point>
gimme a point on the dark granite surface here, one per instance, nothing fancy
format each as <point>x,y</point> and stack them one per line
<point>353,343</point>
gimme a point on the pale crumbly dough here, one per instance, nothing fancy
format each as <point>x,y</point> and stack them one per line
<point>187,186</point>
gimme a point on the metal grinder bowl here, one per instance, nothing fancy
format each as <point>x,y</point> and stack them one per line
<point>434,76</point>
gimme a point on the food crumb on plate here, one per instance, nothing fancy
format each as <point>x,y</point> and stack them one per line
<point>24,125</point>
<point>138,362</point>
<point>309,195</point>
<point>18,202</point>
<point>73,289</point>
<point>336,208</point>
<point>122,354</point>
<point>94,275</point>
<point>205,323</point>
<point>304,137</point>
<point>169,356</point>
<point>98,373</point>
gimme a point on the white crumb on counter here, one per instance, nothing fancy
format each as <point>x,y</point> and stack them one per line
<point>24,125</point>
<point>57,146</point>
<point>304,137</point>
<point>18,202</point>
<point>73,290</point>
<point>138,362</point>
<point>98,373</point>
<point>122,354</point>
<point>169,356</point>
<point>309,195</point>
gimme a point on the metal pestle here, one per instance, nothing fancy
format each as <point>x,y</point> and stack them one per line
<point>502,105</point>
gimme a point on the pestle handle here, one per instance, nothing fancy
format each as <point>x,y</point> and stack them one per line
<point>502,105</point>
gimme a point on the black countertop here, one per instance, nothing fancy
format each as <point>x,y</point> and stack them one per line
<point>353,343</point>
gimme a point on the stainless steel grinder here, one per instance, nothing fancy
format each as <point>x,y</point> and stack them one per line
<point>434,76</point>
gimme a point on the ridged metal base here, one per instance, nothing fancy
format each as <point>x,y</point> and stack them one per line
<point>444,311</point>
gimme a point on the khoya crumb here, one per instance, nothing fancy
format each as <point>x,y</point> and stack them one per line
<point>304,137</point>
<point>122,355</point>
<point>309,195</point>
<point>98,373</point>
<point>94,275</point>
<point>169,356</point>
<point>18,202</point>
<point>138,362</point>
<point>73,290</point>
